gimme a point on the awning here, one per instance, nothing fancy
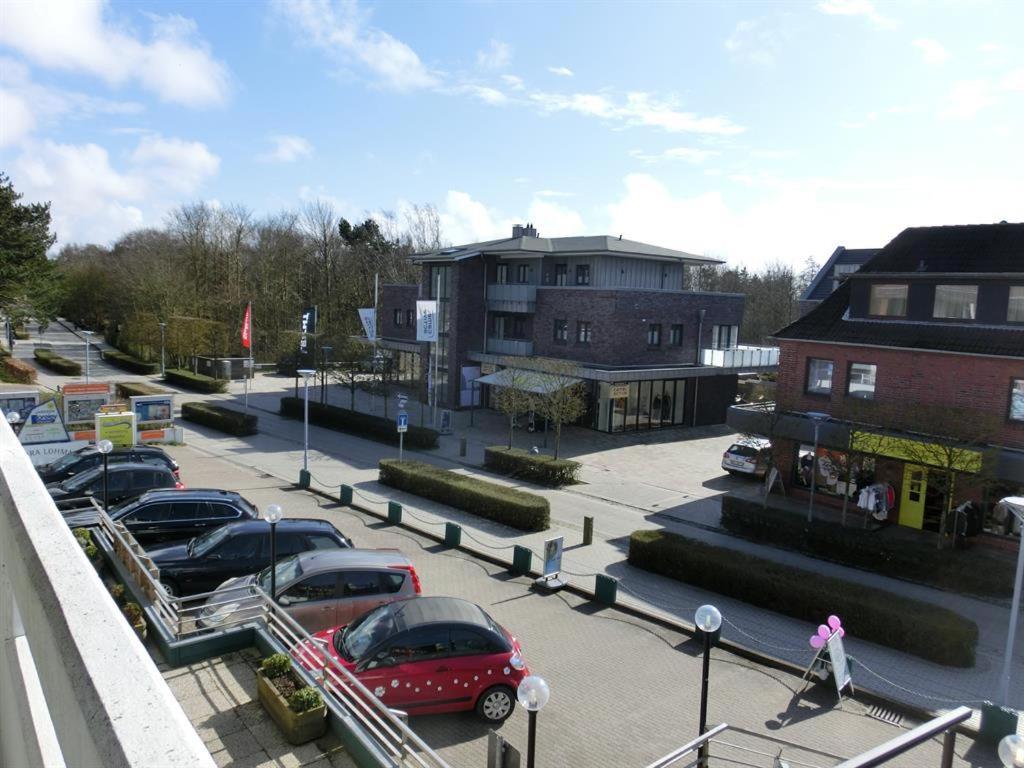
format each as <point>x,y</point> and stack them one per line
<point>531,381</point>
<point>1011,506</point>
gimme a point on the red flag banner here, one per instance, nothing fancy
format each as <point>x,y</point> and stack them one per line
<point>247,327</point>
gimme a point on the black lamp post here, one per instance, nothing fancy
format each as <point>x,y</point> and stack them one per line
<point>708,620</point>
<point>533,694</point>
<point>273,514</point>
<point>105,447</point>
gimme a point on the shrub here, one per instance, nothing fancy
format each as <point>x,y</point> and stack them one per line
<point>129,363</point>
<point>276,665</point>
<point>957,571</point>
<point>49,359</point>
<point>129,389</point>
<point>132,612</point>
<point>83,534</point>
<point>197,382</point>
<point>911,626</point>
<point>216,416</point>
<point>117,592</point>
<point>305,699</point>
<point>19,371</point>
<point>543,470</point>
<point>515,508</point>
<point>21,333</point>
<point>361,424</point>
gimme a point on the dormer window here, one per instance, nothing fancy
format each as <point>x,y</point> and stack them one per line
<point>956,302</point>
<point>888,301</point>
<point>1015,311</point>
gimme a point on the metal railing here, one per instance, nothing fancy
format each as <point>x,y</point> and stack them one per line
<point>741,357</point>
<point>511,297</point>
<point>692,746</point>
<point>944,724</point>
<point>496,346</point>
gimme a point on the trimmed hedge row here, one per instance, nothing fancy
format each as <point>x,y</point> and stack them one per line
<point>543,470</point>
<point>911,626</point>
<point>197,382</point>
<point>956,571</point>
<point>50,359</point>
<point>129,363</point>
<point>218,417</point>
<point>21,333</point>
<point>514,508</point>
<point>19,371</point>
<point>361,424</point>
<point>128,389</point>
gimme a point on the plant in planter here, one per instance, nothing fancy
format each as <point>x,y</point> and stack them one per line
<point>117,592</point>
<point>133,613</point>
<point>298,709</point>
<point>84,538</point>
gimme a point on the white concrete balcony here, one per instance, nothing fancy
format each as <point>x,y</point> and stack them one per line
<point>511,297</point>
<point>519,347</point>
<point>744,358</point>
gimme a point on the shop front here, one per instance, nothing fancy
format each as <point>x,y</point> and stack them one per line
<point>638,405</point>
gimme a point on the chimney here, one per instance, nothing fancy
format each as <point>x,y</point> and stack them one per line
<point>518,230</point>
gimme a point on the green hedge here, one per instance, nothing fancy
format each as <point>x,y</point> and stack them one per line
<point>514,508</point>
<point>543,470</point>
<point>957,571</point>
<point>127,389</point>
<point>49,359</point>
<point>127,362</point>
<point>197,382</point>
<point>21,333</point>
<point>18,371</point>
<point>361,424</point>
<point>911,626</point>
<point>216,416</point>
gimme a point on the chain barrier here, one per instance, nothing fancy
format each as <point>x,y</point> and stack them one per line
<point>759,641</point>
<point>929,697</point>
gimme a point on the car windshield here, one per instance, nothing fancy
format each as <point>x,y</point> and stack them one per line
<point>201,545</point>
<point>287,571</point>
<point>362,635</point>
<point>67,460</point>
<point>78,482</point>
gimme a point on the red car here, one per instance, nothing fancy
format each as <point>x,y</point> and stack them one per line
<point>429,655</point>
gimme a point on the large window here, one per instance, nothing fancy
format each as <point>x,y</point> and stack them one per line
<point>1015,311</point>
<point>654,335</point>
<point>888,301</point>
<point>561,272</point>
<point>561,330</point>
<point>583,332</point>
<point>860,382</point>
<point>582,274</point>
<point>399,316</point>
<point>956,302</point>
<point>676,339</point>
<point>523,273</point>
<point>724,336</point>
<point>819,376</point>
<point>1017,400</point>
<point>502,274</point>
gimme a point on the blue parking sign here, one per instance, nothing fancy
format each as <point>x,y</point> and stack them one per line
<point>403,421</point>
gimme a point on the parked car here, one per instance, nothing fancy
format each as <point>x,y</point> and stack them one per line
<point>428,655</point>
<point>203,563</point>
<point>747,457</point>
<point>173,515</point>
<point>124,481</point>
<point>318,589</point>
<point>89,457</point>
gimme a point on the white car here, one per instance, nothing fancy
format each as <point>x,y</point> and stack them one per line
<point>747,457</point>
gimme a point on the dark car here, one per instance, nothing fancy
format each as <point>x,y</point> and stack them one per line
<point>124,481</point>
<point>204,563</point>
<point>88,458</point>
<point>174,515</point>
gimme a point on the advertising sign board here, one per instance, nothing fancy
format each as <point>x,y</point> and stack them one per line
<point>426,321</point>
<point>43,425</point>
<point>82,401</point>
<point>153,407</point>
<point>18,401</point>
<point>118,428</point>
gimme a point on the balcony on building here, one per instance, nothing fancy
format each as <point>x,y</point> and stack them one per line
<point>744,358</point>
<point>511,297</point>
<point>521,347</point>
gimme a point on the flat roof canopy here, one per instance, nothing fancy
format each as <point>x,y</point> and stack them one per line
<point>530,381</point>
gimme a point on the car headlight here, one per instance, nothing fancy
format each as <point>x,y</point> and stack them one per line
<point>516,662</point>
<point>220,614</point>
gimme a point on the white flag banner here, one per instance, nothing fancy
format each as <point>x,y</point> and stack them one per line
<point>369,318</point>
<point>426,321</point>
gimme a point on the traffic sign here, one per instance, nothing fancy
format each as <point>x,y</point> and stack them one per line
<point>403,422</point>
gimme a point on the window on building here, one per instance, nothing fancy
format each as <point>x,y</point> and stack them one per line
<point>523,273</point>
<point>676,339</point>
<point>888,301</point>
<point>654,335</point>
<point>1017,400</point>
<point>409,321</point>
<point>502,274</point>
<point>956,302</point>
<point>724,336</point>
<point>500,324</point>
<point>860,381</point>
<point>840,272</point>
<point>583,332</point>
<point>582,274</point>
<point>561,274</point>
<point>518,328</point>
<point>819,376</point>
<point>561,330</point>
<point>1015,311</point>
<point>399,316</point>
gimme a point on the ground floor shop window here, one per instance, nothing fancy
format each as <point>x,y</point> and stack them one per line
<point>836,473</point>
<point>636,405</point>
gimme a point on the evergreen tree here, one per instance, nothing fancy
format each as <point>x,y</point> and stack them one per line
<point>27,285</point>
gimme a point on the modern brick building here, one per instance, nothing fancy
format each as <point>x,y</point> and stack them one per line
<point>922,346</point>
<point>617,309</point>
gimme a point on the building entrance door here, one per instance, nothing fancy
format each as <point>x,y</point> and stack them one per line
<point>915,481</point>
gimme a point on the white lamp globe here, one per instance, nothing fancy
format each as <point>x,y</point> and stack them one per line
<point>273,513</point>
<point>104,446</point>
<point>13,417</point>
<point>533,693</point>
<point>708,618</point>
<point>1011,751</point>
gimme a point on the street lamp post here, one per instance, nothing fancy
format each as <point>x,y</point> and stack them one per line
<point>105,447</point>
<point>708,620</point>
<point>306,373</point>
<point>1014,505</point>
<point>533,694</point>
<point>817,418</point>
<point>88,336</point>
<point>163,366</point>
<point>273,515</point>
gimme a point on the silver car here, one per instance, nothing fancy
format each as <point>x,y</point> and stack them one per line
<point>319,589</point>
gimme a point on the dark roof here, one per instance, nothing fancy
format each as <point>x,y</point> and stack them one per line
<point>429,610</point>
<point>821,285</point>
<point>828,323</point>
<point>963,248</point>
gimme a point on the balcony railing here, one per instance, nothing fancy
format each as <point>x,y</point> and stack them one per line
<point>509,347</point>
<point>511,297</point>
<point>741,357</point>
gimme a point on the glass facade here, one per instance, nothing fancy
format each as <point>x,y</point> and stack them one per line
<point>635,405</point>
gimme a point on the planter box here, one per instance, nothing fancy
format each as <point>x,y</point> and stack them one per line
<point>296,728</point>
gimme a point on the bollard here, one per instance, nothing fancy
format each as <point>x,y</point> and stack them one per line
<point>346,495</point>
<point>462,446</point>
<point>394,513</point>
<point>588,531</point>
<point>522,558</point>
<point>303,478</point>
<point>606,589</point>
<point>452,534</point>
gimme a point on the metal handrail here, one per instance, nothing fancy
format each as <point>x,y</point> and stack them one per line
<point>692,746</point>
<point>883,753</point>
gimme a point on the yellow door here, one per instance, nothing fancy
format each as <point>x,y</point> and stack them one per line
<point>915,479</point>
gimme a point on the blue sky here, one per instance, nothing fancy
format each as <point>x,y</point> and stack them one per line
<point>748,131</point>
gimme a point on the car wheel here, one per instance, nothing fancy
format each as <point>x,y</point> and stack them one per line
<point>496,704</point>
<point>171,588</point>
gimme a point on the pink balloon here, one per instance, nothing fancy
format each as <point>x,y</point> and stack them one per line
<point>842,632</point>
<point>824,631</point>
<point>834,622</point>
<point>817,642</point>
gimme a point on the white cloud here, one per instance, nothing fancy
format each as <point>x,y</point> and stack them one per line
<point>178,165</point>
<point>497,56</point>
<point>553,193</point>
<point>865,8</point>
<point>1013,81</point>
<point>342,30</point>
<point>17,121</point>
<point>287,149</point>
<point>686,154</point>
<point>174,63</point>
<point>554,220</point>
<point>758,42</point>
<point>514,82</point>
<point>932,51</point>
<point>467,220</point>
<point>561,71</point>
<point>639,109</point>
<point>967,98</point>
<point>485,93</point>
